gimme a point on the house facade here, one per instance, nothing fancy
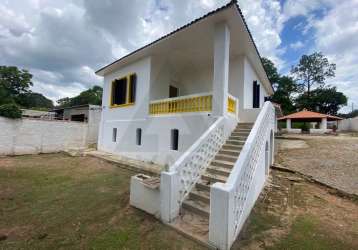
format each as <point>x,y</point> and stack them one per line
<point>192,99</point>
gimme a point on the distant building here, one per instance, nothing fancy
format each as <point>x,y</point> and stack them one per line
<point>36,114</point>
<point>78,113</point>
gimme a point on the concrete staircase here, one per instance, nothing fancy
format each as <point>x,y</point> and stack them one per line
<point>196,208</point>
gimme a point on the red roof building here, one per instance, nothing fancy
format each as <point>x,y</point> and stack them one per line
<point>309,116</point>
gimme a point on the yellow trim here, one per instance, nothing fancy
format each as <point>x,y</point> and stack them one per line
<point>128,92</point>
<point>231,105</point>
<point>190,104</point>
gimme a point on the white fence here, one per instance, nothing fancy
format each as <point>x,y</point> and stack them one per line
<point>231,202</point>
<point>348,125</point>
<point>27,136</point>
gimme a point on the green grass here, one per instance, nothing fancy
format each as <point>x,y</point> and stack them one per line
<point>307,233</point>
<point>60,202</point>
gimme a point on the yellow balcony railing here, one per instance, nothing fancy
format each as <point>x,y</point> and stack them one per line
<point>231,105</point>
<point>193,103</point>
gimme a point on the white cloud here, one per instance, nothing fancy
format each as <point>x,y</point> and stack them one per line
<point>63,42</point>
<point>336,36</point>
<point>297,45</point>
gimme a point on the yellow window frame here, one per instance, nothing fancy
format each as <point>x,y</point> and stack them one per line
<point>128,92</point>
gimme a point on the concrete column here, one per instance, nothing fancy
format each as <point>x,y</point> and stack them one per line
<point>221,68</point>
<point>288,124</point>
<point>324,123</point>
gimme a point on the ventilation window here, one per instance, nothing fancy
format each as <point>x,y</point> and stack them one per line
<point>114,135</point>
<point>256,95</point>
<point>174,139</point>
<point>139,136</point>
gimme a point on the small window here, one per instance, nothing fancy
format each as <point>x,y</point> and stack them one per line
<point>114,135</point>
<point>124,90</point>
<point>139,136</point>
<point>174,139</point>
<point>256,95</point>
<point>173,91</point>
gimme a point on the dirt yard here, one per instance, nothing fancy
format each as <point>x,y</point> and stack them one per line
<point>332,160</point>
<point>59,202</point>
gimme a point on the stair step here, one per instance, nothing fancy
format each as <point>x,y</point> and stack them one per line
<point>223,164</point>
<point>232,147</point>
<point>197,207</point>
<point>238,138</point>
<point>203,185</point>
<point>219,170</point>
<point>235,142</point>
<point>214,177</point>
<point>201,195</point>
<point>223,157</point>
<point>240,133</point>
<point>229,152</point>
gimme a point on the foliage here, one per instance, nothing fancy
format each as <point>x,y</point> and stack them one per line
<point>33,101</point>
<point>14,81</point>
<point>313,70</point>
<point>90,96</point>
<point>271,70</point>
<point>352,114</point>
<point>11,111</point>
<point>285,87</point>
<point>323,100</point>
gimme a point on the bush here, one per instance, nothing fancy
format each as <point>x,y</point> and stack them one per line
<point>10,111</point>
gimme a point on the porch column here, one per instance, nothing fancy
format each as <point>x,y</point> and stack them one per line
<point>324,124</point>
<point>288,124</point>
<point>221,69</point>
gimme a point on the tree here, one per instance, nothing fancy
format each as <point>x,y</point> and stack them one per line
<point>90,96</point>
<point>271,70</point>
<point>14,81</point>
<point>33,101</point>
<point>285,87</point>
<point>284,94</point>
<point>11,111</point>
<point>313,70</point>
<point>323,100</point>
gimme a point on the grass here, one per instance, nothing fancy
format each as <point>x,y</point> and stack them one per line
<point>306,233</point>
<point>59,202</point>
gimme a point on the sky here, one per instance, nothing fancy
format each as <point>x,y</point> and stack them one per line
<point>63,42</point>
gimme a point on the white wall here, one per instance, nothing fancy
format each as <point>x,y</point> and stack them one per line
<point>94,119</point>
<point>348,124</point>
<point>156,136</point>
<point>25,136</point>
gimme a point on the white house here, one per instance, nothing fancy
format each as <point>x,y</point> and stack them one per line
<point>194,100</point>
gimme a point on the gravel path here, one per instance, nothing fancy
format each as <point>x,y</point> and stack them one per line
<point>331,160</point>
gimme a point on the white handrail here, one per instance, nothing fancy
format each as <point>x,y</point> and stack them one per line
<point>237,196</point>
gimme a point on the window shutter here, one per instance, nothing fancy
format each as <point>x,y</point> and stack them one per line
<point>133,87</point>
<point>256,95</point>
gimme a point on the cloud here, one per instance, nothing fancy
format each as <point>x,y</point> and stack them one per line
<point>336,36</point>
<point>297,45</point>
<point>63,42</point>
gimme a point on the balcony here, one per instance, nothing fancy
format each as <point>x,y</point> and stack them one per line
<point>189,104</point>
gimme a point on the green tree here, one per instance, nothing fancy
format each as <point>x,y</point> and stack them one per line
<point>90,96</point>
<point>323,100</point>
<point>271,71</point>
<point>33,101</point>
<point>14,81</point>
<point>11,111</point>
<point>313,70</point>
<point>285,87</point>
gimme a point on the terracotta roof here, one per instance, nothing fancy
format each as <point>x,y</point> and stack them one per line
<point>305,114</point>
<point>228,5</point>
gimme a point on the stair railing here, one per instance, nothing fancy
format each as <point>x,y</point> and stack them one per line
<point>231,202</point>
<point>182,176</point>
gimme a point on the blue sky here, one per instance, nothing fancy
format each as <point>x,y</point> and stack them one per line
<point>63,42</point>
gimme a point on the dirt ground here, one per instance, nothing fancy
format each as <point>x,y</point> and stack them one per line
<point>59,202</point>
<point>332,160</point>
